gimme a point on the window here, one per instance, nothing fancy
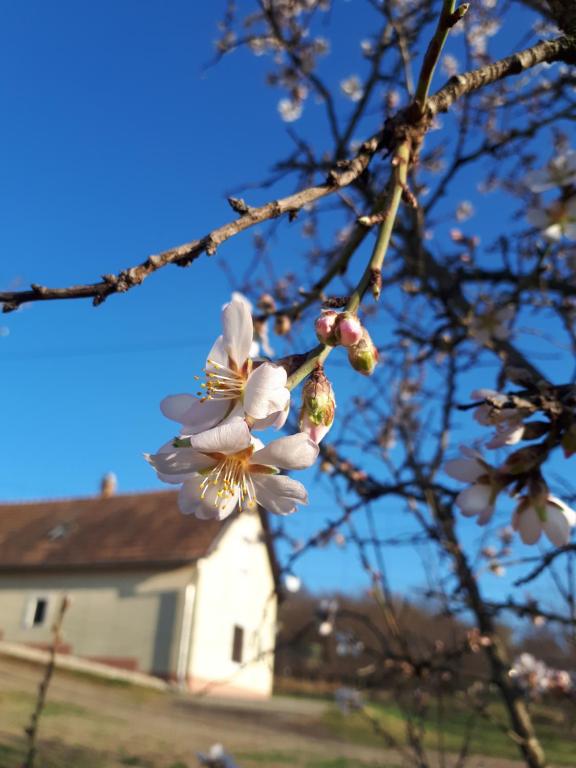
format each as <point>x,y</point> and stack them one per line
<point>237,644</point>
<point>36,613</point>
<point>39,611</point>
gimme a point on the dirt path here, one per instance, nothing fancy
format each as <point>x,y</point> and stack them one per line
<point>124,724</point>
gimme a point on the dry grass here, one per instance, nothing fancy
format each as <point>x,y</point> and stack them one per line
<point>90,723</point>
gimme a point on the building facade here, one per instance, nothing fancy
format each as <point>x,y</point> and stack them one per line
<point>190,601</point>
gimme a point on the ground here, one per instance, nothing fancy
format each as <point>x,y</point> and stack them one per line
<point>90,723</point>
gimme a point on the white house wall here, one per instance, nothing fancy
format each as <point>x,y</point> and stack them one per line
<point>124,618</point>
<point>235,587</point>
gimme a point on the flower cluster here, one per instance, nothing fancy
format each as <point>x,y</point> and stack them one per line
<point>536,678</point>
<point>537,511</point>
<point>217,460</point>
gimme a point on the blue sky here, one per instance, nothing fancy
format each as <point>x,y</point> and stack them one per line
<point>118,143</point>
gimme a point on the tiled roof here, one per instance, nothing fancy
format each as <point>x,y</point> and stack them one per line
<point>128,529</point>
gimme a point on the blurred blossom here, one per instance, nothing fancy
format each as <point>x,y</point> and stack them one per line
<point>536,678</point>
<point>560,172</point>
<point>367,47</point>
<point>492,324</point>
<point>479,498</point>
<point>556,221</point>
<point>392,99</point>
<point>541,513</point>
<point>464,211</point>
<point>352,87</point>
<point>292,583</point>
<point>449,65</point>
<point>290,110</point>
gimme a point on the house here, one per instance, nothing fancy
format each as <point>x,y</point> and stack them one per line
<point>151,590</point>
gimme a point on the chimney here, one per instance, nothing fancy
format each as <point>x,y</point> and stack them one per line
<point>108,485</point>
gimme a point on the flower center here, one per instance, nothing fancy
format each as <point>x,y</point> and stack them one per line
<point>230,477</point>
<point>223,382</point>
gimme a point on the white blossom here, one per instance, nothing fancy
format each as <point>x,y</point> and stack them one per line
<point>234,385</point>
<point>292,583</point>
<point>560,172</point>
<point>352,87</point>
<point>478,499</point>
<point>290,110</point>
<point>493,324</point>
<point>509,422</point>
<point>548,514</point>
<point>556,221</point>
<point>464,211</point>
<point>225,467</point>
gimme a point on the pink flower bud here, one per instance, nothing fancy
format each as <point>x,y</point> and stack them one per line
<point>348,329</point>
<point>363,356</point>
<point>324,326</point>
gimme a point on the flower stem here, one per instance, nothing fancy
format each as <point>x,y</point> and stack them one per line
<point>449,16</point>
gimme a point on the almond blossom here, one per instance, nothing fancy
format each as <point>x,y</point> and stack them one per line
<point>234,385</point>
<point>560,172</point>
<point>509,422</point>
<point>556,221</point>
<point>478,499</point>
<point>537,514</point>
<point>493,324</point>
<point>225,467</point>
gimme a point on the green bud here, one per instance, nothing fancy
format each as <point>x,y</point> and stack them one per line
<point>363,356</point>
<point>318,406</point>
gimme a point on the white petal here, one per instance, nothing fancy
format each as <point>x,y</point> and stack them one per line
<point>557,525</point>
<point>506,435</point>
<point>218,354</point>
<point>208,507</point>
<point>173,479</point>
<point>201,416</point>
<point>474,500</point>
<point>279,494</point>
<point>485,516</point>
<point>231,437</point>
<point>293,452</point>
<point>553,232</point>
<point>466,470</point>
<point>568,511</point>
<point>539,180</point>
<point>170,461</point>
<point>238,331</point>
<point>266,391</point>
<point>529,525</point>
<point>276,420</point>
<point>483,394</point>
<point>175,406</point>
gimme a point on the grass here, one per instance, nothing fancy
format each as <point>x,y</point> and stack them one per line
<point>87,724</point>
<point>487,739</point>
<point>274,758</point>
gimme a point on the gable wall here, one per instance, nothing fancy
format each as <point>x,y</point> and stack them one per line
<point>235,587</point>
<point>126,618</point>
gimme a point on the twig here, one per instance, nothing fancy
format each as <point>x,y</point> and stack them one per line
<point>32,730</point>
